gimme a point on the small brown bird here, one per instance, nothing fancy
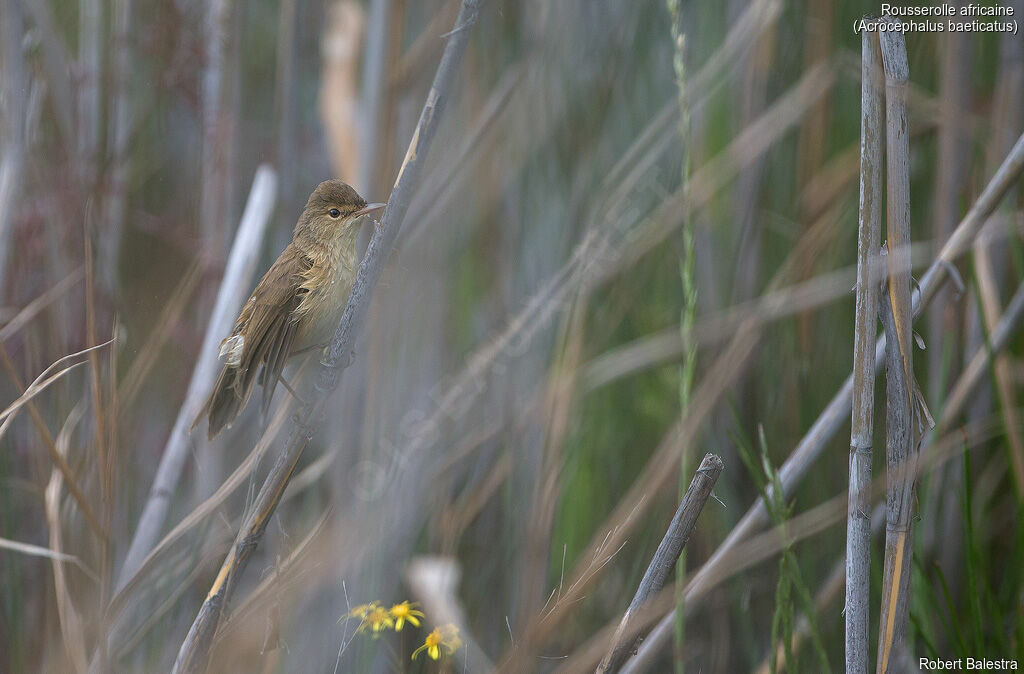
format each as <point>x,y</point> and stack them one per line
<point>296,305</point>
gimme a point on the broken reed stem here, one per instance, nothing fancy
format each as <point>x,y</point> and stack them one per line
<point>858,524</point>
<point>838,409</point>
<point>194,653</point>
<point>897,316</point>
<point>664,560</point>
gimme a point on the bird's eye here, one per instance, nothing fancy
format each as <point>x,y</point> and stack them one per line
<point>334,213</point>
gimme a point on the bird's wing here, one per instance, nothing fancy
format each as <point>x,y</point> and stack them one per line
<point>269,325</point>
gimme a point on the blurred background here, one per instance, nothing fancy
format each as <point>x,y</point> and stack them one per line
<point>633,244</point>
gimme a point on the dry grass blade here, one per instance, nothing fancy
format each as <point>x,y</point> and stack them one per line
<point>32,391</point>
<point>39,551</point>
<point>32,309</point>
<point>159,335</point>
<point>71,623</point>
<point>57,458</point>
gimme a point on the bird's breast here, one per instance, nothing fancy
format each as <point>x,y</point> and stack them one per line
<point>324,301</point>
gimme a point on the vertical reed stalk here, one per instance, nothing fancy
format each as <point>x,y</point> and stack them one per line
<point>118,152</point>
<point>897,315</point>
<point>13,90</point>
<point>90,27</point>
<point>858,523</point>
<point>990,262</point>
<point>212,207</point>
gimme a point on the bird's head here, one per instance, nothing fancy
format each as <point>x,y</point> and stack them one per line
<point>332,211</point>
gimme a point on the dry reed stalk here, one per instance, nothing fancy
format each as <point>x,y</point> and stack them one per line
<point>858,527</point>
<point>216,133</point>
<point>372,122</point>
<point>87,76</point>
<point>285,102</point>
<point>338,89</point>
<point>951,169</point>
<point>194,653</point>
<point>56,65</point>
<point>839,408</point>
<point>988,292</point>
<point>897,318</point>
<point>118,150</point>
<point>233,291</point>
<point>13,87</point>
<point>664,560</point>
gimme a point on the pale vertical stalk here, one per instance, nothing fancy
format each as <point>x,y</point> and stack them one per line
<point>13,98</point>
<point>212,206</point>
<point>338,88</point>
<point>233,291</point>
<point>90,22</point>
<point>118,155</point>
<point>945,318</point>
<point>951,168</point>
<point>374,81</point>
<point>897,313</point>
<point>285,94</point>
<point>858,523</point>
<point>989,260</point>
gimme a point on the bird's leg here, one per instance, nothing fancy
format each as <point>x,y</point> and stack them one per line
<point>288,387</point>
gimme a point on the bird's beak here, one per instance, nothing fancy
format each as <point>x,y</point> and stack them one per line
<point>369,208</point>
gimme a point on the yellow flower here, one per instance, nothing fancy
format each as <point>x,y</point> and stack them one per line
<point>362,610</point>
<point>377,620</point>
<point>405,611</point>
<point>444,638</point>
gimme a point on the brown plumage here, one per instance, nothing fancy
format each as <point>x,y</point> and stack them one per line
<point>295,306</point>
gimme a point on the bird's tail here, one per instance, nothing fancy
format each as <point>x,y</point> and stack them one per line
<point>226,401</point>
